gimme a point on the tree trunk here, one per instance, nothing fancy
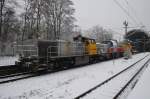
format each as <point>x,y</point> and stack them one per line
<point>1,16</point>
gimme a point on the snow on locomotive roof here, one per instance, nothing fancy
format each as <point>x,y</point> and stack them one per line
<point>53,40</point>
<point>34,42</point>
<point>114,42</point>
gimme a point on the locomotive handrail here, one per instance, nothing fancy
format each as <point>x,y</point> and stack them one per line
<point>77,48</point>
<point>32,50</point>
<point>24,45</point>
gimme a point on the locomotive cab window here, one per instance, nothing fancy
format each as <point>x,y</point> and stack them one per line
<point>87,42</point>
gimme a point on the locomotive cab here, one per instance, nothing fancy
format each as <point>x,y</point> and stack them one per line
<point>90,44</point>
<point>111,49</point>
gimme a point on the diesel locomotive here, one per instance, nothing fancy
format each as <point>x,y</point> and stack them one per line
<point>58,54</point>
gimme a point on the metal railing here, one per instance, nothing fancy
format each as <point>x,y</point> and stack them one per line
<point>26,50</point>
<point>66,49</point>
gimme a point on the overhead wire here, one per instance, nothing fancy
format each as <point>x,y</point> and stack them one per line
<point>126,12</point>
<point>130,16</point>
<point>134,12</point>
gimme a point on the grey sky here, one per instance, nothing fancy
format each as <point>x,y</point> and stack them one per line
<point>108,14</point>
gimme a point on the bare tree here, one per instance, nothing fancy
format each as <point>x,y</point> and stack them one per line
<point>8,23</point>
<point>6,9</point>
<point>2,2</point>
<point>56,13</point>
<point>99,33</point>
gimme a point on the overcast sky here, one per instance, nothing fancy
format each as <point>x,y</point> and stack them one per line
<point>108,14</point>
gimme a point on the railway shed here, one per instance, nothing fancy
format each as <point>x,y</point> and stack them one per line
<point>139,39</point>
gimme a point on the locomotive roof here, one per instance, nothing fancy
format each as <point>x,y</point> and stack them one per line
<point>112,40</point>
<point>82,38</point>
<point>27,42</point>
<point>52,40</point>
<point>33,41</point>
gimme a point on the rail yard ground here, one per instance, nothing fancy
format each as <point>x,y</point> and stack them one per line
<point>68,84</point>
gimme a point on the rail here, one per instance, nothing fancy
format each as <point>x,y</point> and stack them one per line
<point>129,82</point>
<point>26,50</point>
<point>109,79</point>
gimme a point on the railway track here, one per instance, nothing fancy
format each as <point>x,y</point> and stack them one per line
<point>8,67</point>
<point>107,89</point>
<point>25,75</point>
<point>16,77</point>
<point>11,73</point>
<point>8,70</point>
<point>133,81</point>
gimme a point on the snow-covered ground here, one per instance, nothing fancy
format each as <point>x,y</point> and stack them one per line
<point>142,89</point>
<point>65,84</point>
<point>4,61</point>
<point>111,88</point>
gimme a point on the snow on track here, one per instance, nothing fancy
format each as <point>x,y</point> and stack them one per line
<point>110,89</point>
<point>65,84</point>
<point>142,89</point>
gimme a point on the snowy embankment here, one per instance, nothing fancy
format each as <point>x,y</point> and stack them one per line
<point>65,84</point>
<point>142,89</point>
<point>5,61</point>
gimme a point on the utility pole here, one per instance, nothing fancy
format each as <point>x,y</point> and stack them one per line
<point>144,44</point>
<point>125,23</point>
<point>1,15</point>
